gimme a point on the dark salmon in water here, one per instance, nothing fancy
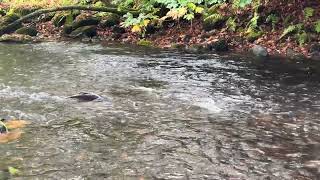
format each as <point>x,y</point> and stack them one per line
<point>86,97</point>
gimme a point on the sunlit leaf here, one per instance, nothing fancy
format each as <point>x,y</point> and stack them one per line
<point>136,28</point>
<point>182,11</point>
<point>199,10</point>
<point>13,171</point>
<point>146,22</point>
<point>173,13</point>
<point>192,6</point>
<point>189,16</point>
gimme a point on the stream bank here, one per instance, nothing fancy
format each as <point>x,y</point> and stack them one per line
<point>197,36</point>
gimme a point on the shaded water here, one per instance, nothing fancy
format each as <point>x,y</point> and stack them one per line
<point>165,115</point>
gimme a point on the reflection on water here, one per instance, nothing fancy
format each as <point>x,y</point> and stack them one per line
<point>166,115</point>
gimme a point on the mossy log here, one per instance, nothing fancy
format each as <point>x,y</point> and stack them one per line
<point>4,30</point>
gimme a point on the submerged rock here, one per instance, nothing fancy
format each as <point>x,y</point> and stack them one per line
<point>31,31</point>
<point>83,96</point>
<point>259,51</point>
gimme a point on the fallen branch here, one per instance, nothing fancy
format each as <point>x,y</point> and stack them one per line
<point>5,29</point>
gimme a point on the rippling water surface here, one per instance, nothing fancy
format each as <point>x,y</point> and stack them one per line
<point>165,115</point>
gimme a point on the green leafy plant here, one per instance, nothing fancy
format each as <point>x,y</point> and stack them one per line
<point>308,12</point>
<point>253,23</point>
<point>14,171</point>
<point>297,30</point>
<point>302,37</point>
<point>138,24</point>
<point>273,19</point>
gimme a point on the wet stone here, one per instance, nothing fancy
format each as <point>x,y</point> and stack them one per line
<point>259,51</point>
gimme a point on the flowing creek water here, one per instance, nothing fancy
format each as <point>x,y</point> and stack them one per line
<point>165,114</point>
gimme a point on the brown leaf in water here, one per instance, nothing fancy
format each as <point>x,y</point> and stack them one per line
<point>14,124</point>
<point>10,136</point>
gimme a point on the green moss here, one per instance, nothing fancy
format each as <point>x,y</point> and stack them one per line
<point>27,31</point>
<point>144,42</point>
<point>89,21</point>
<point>7,19</point>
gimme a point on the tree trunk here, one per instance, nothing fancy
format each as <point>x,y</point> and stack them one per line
<point>4,30</point>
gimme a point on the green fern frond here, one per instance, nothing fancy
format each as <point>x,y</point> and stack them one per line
<point>317,26</point>
<point>231,24</point>
<point>302,38</point>
<point>291,29</point>
<point>214,17</point>
<point>253,23</point>
<point>273,19</point>
<point>214,8</point>
<point>308,12</point>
